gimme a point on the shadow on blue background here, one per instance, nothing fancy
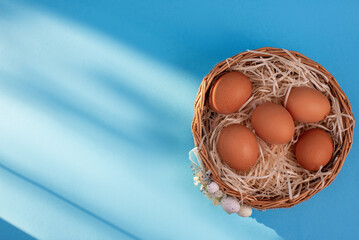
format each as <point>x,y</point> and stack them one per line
<point>10,232</point>
<point>192,36</point>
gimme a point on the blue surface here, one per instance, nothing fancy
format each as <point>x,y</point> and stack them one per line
<point>8,231</point>
<point>96,101</point>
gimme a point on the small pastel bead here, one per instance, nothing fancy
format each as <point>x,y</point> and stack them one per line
<point>245,211</point>
<point>212,188</point>
<point>230,205</point>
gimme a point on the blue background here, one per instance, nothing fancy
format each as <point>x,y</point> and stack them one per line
<point>96,101</point>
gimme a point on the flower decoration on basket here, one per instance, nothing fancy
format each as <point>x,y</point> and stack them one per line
<point>212,191</point>
<point>271,129</point>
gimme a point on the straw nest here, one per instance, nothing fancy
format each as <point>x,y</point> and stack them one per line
<point>277,180</point>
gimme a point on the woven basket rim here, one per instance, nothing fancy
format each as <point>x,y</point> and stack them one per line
<point>197,132</point>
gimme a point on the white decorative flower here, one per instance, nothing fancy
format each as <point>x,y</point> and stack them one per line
<point>218,194</point>
<point>215,202</point>
<point>212,188</point>
<point>245,211</point>
<point>230,205</point>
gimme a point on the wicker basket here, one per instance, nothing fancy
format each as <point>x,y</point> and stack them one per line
<point>197,129</point>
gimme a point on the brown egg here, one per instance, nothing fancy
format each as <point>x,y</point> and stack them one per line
<point>230,92</point>
<point>273,123</point>
<point>314,149</point>
<point>307,105</point>
<point>237,146</point>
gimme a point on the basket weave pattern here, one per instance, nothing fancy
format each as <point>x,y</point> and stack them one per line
<point>197,129</point>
